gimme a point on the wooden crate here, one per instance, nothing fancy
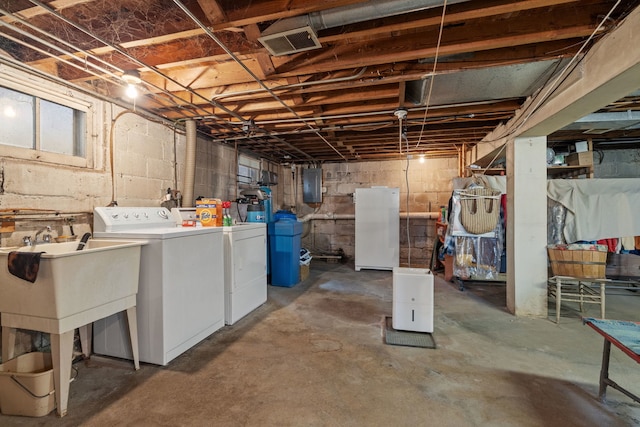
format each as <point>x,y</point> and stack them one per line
<point>578,263</point>
<point>623,266</point>
<point>580,159</point>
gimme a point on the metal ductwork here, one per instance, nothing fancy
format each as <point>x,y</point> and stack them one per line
<point>290,41</point>
<point>600,123</point>
<point>299,33</point>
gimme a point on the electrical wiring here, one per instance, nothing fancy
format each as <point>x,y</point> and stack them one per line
<point>125,54</point>
<point>537,102</point>
<point>171,126</point>
<point>433,73</point>
<point>407,229</point>
<point>424,121</point>
<point>253,75</point>
<point>564,74</point>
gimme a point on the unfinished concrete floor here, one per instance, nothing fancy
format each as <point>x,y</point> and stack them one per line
<point>313,355</point>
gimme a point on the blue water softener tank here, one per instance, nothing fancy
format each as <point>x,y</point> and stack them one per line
<point>284,251</point>
<point>255,213</point>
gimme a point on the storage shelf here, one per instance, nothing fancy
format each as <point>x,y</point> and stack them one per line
<point>552,171</point>
<point>580,165</point>
<point>489,171</point>
<point>569,171</point>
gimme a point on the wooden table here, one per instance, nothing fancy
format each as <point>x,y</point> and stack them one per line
<point>624,335</point>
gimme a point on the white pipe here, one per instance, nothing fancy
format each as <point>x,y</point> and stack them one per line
<point>335,216</point>
<point>293,86</point>
<point>327,216</point>
<point>190,165</point>
<point>420,215</point>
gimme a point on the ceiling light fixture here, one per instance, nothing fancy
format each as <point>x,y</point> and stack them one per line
<point>400,113</point>
<point>131,92</point>
<point>132,79</point>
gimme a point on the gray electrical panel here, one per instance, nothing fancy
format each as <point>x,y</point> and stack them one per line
<point>312,185</point>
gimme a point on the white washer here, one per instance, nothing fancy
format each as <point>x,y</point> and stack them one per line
<point>245,269</point>
<point>181,292</point>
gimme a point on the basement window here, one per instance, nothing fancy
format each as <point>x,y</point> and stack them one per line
<point>248,171</point>
<point>38,124</point>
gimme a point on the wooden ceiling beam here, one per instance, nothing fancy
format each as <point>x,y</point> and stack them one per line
<point>272,10</point>
<point>252,32</point>
<point>58,5</point>
<point>478,110</point>
<point>462,12</point>
<point>213,11</point>
<point>348,57</point>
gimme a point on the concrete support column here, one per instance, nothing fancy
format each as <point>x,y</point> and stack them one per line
<point>527,227</point>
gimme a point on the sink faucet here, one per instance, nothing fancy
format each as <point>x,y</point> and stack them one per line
<point>29,241</point>
<point>45,239</point>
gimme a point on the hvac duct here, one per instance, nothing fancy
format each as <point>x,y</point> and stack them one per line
<point>190,165</point>
<point>298,33</point>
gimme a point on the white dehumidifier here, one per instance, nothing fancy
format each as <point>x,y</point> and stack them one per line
<point>412,299</point>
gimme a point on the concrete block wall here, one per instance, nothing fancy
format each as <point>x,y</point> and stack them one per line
<point>144,160</point>
<point>148,157</point>
<point>215,171</point>
<point>430,186</point>
<point>28,184</point>
<point>617,163</point>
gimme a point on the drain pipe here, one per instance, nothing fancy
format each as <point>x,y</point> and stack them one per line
<point>190,165</point>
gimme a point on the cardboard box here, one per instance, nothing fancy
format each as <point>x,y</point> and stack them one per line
<point>304,272</point>
<point>582,146</point>
<point>580,159</point>
<point>207,211</point>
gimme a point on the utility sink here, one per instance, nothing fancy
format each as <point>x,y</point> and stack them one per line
<point>71,281</point>
<point>72,289</point>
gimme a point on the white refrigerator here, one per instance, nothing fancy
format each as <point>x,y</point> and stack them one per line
<point>377,228</point>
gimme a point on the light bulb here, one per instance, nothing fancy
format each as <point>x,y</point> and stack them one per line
<point>421,158</point>
<point>131,91</point>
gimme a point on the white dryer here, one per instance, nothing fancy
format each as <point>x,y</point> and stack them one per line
<point>245,269</point>
<point>181,290</point>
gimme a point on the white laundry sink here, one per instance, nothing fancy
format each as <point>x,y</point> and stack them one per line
<point>72,289</point>
<point>70,281</point>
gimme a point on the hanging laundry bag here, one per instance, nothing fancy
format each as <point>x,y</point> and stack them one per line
<point>479,209</point>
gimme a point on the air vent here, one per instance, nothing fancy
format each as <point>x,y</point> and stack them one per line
<point>292,41</point>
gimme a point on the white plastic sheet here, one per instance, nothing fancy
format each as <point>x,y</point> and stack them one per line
<point>598,208</point>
